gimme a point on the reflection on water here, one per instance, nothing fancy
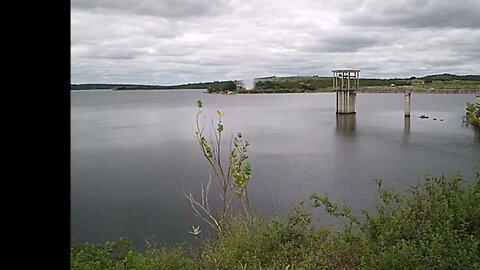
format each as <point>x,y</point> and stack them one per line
<point>476,130</point>
<point>477,136</point>
<point>406,125</point>
<point>346,124</point>
<point>406,130</point>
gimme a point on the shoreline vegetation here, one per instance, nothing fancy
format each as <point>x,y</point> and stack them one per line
<point>473,114</point>
<point>440,83</point>
<point>434,225</point>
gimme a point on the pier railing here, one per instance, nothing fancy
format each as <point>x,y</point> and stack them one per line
<point>418,90</point>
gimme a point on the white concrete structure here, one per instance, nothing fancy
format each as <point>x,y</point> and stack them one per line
<point>408,98</point>
<point>346,83</point>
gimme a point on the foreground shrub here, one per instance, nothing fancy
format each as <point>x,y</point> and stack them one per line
<point>120,255</point>
<point>436,226</point>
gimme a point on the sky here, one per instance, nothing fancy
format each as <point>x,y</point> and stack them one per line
<point>184,41</point>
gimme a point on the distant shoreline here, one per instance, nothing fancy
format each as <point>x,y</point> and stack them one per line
<point>419,90</point>
<point>440,83</point>
<point>133,90</point>
<point>361,90</point>
<point>91,90</point>
<point>285,91</point>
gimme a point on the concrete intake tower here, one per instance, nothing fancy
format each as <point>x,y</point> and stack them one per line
<point>345,84</point>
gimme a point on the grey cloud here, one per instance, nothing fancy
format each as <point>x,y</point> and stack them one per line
<point>162,8</point>
<point>415,13</point>
<point>106,28</point>
<point>114,53</point>
<point>113,42</point>
<point>344,44</point>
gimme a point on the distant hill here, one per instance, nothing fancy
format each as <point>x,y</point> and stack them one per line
<point>202,85</point>
<point>102,86</point>
<point>450,77</point>
<point>128,86</point>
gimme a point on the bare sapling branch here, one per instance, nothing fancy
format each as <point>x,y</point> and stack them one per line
<point>233,181</point>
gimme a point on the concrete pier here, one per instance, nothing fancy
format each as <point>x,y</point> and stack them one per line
<point>408,98</point>
<point>346,102</point>
<point>346,83</point>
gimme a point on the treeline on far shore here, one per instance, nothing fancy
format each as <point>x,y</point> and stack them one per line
<point>274,84</point>
<point>137,86</point>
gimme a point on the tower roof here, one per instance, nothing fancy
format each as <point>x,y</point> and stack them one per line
<point>346,70</point>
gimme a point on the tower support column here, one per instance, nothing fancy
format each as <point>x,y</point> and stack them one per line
<point>408,98</point>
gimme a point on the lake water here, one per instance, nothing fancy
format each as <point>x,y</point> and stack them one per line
<point>133,153</point>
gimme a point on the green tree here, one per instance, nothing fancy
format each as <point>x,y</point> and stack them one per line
<point>473,113</point>
<point>230,85</point>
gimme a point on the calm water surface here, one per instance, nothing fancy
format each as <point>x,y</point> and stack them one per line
<point>133,153</point>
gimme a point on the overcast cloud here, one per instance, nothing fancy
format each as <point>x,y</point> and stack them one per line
<point>180,41</point>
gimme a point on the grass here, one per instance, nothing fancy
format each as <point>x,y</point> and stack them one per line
<point>435,225</point>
